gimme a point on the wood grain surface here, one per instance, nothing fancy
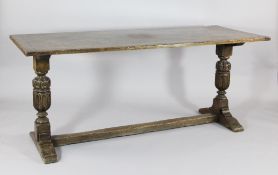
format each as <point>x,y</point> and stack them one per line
<point>131,39</point>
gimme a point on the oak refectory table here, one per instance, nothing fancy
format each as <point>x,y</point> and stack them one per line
<point>42,46</point>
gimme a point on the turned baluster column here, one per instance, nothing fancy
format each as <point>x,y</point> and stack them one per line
<point>222,77</point>
<point>42,102</point>
<point>41,98</point>
<point>220,105</point>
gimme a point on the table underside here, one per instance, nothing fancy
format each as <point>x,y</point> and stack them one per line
<point>131,39</point>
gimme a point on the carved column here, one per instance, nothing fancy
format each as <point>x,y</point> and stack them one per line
<point>222,77</point>
<point>42,102</point>
<point>222,82</point>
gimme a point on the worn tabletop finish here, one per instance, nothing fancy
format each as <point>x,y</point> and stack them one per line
<point>132,39</point>
<point>42,46</point>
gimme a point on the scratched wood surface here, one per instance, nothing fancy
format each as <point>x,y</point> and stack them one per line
<point>132,39</point>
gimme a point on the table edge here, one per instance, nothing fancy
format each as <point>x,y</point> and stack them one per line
<point>136,47</point>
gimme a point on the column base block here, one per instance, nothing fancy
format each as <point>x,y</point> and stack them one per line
<point>225,118</point>
<point>46,150</point>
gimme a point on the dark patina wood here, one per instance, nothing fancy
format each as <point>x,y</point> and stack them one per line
<point>42,102</point>
<point>220,105</point>
<point>42,46</point>
<point>127,130</point>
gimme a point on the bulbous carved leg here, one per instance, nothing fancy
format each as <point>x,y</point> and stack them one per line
<point>220,105</point>
<point>42,102</point>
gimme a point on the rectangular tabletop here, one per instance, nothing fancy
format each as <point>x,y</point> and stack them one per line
<point>132,39</point>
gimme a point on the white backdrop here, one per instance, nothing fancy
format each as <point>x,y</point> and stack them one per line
<point>91,91</point>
